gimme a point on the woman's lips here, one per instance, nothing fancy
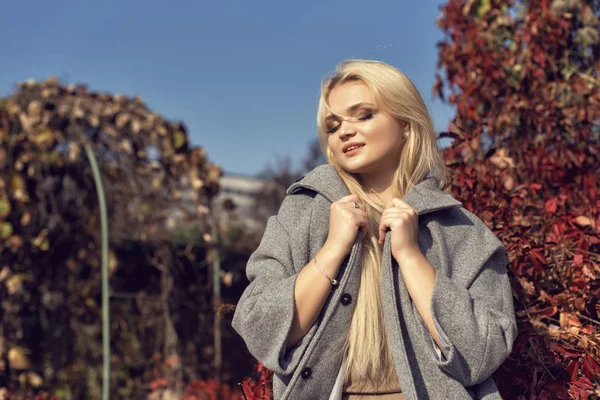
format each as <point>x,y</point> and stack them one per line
<point>352,152</point>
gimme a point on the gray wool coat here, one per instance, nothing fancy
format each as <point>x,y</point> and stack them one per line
<point>471,305</point>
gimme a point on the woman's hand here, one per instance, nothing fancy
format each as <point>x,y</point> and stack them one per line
<point>344,222</point>
<point>402,220</point>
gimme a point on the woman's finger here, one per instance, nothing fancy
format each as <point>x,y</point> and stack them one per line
<point>402,204</point>
<point>391,215</point>
<point>382,228</point>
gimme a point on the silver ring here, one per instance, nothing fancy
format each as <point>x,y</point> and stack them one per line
<point>356,205</point>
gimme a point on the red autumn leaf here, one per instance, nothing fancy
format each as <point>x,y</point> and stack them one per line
<point>580,304</point>
<point>590,367</point>
<point>577,284</point>
<point>581,388</point>
<point>158,383</point>
<point>544,312</point>
<point>566,353</point>
<point>557,390</point>
<point>578,260</point>
<point>572,369</point>
<point>583,244</point>
<point>579,393</point>
<point>538,257</point>
<point>551,205</point>
<point>587,329</point>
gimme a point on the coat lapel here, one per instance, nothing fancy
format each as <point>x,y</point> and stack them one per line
<point>424,197</point>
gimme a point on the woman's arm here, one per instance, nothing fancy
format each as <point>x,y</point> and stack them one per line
<point>311,291</point>
<point>467,308</point>
<point>278,308</point>
<point>419,277</point>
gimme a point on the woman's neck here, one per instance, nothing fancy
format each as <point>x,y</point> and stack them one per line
<point>380,185</point>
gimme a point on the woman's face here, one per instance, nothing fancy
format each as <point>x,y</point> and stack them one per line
<point>378,134</point>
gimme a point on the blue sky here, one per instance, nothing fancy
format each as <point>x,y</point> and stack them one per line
<point>243,76</point>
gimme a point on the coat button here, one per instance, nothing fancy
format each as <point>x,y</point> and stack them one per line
<point>306,372</point>
<point>346,299</point>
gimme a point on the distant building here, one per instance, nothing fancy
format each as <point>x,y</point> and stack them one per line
<point>254,199</point>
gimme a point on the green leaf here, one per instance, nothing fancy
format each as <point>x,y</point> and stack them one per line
<point>484,7</point>
<point>4,208</point>
<point>178,139</point>
<point>6,230</point>
<point>569,70</point>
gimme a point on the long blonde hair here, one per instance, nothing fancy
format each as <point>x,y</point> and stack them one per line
<point>366,347</point>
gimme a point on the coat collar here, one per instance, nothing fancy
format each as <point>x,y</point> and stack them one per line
<point>424,197</point>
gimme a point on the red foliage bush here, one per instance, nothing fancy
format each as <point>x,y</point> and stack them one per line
<point>260,389</point>
<point>166,384</point>
<point>24,394</point>
<point>523,76</point>
<point>195,390</point>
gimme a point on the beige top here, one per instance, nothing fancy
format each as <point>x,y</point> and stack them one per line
<point>391,391</point>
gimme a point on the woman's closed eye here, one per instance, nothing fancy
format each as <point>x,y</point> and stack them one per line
<point>333,128</point>
<point>366,116</point>
<point>363,117</point>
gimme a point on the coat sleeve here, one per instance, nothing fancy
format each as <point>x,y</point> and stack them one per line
<point>475,322</point>
<point>265,311</point>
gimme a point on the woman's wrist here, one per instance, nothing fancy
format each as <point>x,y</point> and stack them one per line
<point>407,255</point>
<point>334,251</point>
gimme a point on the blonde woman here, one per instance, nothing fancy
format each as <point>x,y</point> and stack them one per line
<point>371,281</point>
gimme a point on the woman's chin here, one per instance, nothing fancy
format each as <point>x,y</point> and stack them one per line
<point>356,167</point>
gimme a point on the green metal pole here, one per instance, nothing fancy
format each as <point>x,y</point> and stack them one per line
<point>216,274</point>
<point>105,293</point>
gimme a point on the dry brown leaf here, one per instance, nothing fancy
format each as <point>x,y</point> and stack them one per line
<point>17,358</point>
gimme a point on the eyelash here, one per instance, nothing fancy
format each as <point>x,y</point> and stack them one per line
<point>365,117</point>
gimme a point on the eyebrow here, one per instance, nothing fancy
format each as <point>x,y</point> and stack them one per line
<point>349,110</point>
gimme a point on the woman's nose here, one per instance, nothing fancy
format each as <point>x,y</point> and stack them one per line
<point>346,129</point>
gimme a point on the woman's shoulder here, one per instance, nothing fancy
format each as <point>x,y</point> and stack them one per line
<point>322,180</point>
<point>467,244</point>
<point>307,202</point>
<point>295,208</point>
<point>460,226</point>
